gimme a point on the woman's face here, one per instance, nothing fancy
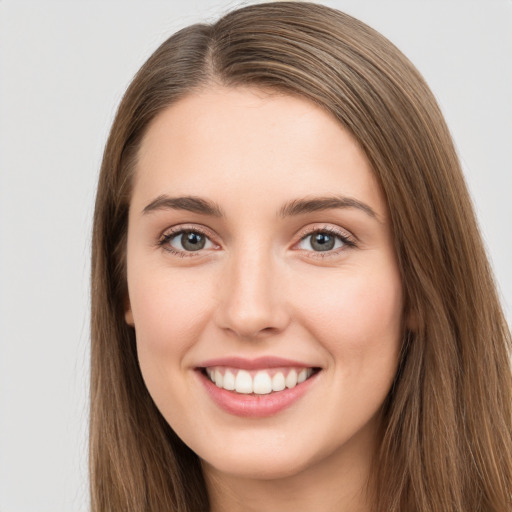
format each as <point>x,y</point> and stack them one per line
<point>259,255</point>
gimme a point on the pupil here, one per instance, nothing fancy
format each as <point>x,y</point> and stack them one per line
<point>322,242</point>
<point>192,241</point>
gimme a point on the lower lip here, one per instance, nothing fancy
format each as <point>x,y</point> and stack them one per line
<point>255,406</point>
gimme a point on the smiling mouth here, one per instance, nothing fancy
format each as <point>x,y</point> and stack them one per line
<point>257,382</point>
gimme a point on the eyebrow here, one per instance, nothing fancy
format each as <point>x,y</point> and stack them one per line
<point>315,204</point>
<point>188,203</point>
<point>292,208</point>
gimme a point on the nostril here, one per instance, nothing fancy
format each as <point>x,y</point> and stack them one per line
<point>251,331</point>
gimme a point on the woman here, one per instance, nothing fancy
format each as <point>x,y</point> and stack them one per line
<point>291,304</point>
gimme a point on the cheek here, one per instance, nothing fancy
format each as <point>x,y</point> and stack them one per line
<point>355,311</point>
<point>169,310</point>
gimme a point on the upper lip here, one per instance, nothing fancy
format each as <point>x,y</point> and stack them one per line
<point>253,364</point>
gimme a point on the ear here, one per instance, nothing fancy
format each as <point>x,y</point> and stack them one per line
<point>128,315</point>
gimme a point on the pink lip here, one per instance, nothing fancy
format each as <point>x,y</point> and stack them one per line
<point>254,406</point>
<point>252,364</point>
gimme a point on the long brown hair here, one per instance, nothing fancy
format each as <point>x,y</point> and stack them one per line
<point>446,426</point>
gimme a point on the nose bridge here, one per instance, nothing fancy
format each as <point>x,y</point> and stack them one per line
<point>251,303</point>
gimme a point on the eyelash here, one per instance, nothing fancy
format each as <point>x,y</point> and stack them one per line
<point>167,237</point>
<point>348,241</point>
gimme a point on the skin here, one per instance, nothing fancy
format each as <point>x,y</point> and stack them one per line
<point>260,288</point>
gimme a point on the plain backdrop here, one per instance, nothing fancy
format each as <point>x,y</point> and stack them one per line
<point>63,68</point>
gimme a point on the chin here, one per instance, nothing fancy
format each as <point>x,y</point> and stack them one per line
<point>261,468</point>
<point>260,464</point>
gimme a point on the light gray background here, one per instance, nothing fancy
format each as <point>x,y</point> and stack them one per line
<point>63,68</point>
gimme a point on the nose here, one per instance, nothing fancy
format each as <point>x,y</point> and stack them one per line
<point>252,302</point>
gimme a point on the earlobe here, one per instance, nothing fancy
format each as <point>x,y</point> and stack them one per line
<point>128,315</point>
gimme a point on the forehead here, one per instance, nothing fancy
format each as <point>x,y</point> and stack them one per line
<point>238,140</point>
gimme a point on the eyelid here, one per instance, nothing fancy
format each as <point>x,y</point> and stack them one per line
<point>348,239</point>
<point>321,227</point>
<point>174,231</point>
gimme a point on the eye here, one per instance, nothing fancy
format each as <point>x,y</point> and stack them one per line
<point>186,240</point>
<point>324,240</point>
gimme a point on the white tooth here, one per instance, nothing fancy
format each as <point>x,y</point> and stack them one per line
<point>210,374</point>
<point>291,379</point>
<point>218,378</point>
<point>262,383</point>
<point>229,381</point>
<point>303,374</point>
<point>310,372</point>
<point>278,382</point>
<point>243,382</point>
